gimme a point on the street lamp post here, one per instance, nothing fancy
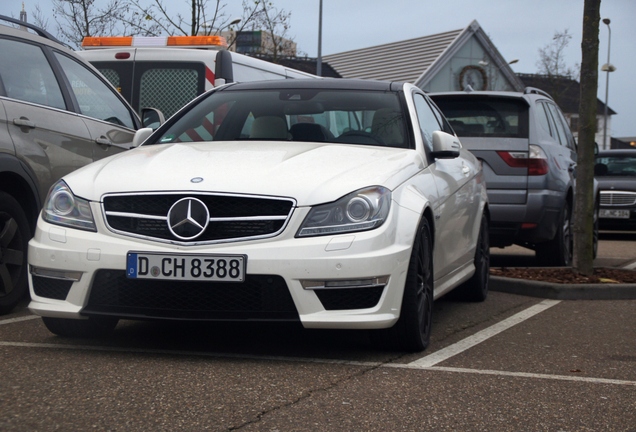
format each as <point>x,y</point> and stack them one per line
<point>607,68</point>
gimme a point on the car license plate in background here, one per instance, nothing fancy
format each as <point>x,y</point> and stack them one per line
<point>227,268</point>
<point>614,214</point>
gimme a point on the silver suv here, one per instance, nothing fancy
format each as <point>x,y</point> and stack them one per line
<point>529,160</point>
<point>57,113</point>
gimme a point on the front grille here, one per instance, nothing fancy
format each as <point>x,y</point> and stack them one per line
<point>51,288</point>
<point>232,218</point>
<point>618,198</point>
<point>260,297</point>
<point>349,298</point>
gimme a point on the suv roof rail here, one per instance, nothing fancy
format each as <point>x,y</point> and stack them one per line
<point>534,90</point>
<point>38,30</point>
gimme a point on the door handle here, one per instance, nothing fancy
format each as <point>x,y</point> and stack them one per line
<point>102,140</point>
<point>24,122</point>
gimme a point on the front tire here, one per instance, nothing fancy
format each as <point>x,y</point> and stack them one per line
<point>81,328</point>
<point>558,251</point>
<point>412,332</point>
<point>15,233</point>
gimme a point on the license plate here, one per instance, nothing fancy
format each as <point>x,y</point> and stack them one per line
<point>614,214</point>
<point>145,265</point>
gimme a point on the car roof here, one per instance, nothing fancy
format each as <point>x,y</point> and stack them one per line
<point>27,35</point>
<point>527,92</point>
<point>617,152</point>
<point>318,84</point>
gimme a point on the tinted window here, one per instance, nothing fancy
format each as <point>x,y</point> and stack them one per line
<point>562,124</point>
<point>27,75</point>
<point>428,120</point>
<point>95,98</point>
<point>341,116</point>
<point>485,116</point>
<point>616,165</point>
<point>560,133</point>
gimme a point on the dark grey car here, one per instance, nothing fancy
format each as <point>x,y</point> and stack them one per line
<point>615,171</point>
<point>529,160</point>
<point>57,113</point>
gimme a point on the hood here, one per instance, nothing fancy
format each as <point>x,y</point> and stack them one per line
<point>311,173</point>
<point>609,183</point>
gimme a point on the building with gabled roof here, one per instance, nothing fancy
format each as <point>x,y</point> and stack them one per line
<point>439,62</point>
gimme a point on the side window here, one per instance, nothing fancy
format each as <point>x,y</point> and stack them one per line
<point>543,118</point>
<point>27,75</point>
<point>567,133</point>
<point>561,128</point>
<point>95,98</point>
<point>427,119</point>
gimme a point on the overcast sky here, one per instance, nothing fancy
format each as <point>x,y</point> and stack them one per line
<point>518,28</point>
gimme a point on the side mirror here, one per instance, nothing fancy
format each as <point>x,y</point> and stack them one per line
<point>445,146</point>
<point>151,118</point>
<point>140,136</point>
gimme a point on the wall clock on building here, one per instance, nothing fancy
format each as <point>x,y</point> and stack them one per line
<point>473,76</point>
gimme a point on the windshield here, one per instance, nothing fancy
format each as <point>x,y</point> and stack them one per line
<point>335,116</point>
<point>616,166</point>
<point>485,116</point>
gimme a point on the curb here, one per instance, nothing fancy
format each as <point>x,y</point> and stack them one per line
<point>559,291</point>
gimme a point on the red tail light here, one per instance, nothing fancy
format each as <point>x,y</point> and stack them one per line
<point>535,160</point>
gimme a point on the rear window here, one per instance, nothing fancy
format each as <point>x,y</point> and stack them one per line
<point>616,166</point>
<point>485,116</point>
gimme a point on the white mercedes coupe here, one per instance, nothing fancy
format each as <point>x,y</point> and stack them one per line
<point>342,204</point>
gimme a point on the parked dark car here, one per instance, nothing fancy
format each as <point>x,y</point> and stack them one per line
<point>615,171</point>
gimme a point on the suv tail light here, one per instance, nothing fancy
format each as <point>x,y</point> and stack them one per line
<point>535,160</point>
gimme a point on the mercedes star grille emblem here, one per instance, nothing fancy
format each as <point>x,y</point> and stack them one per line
<point>188,218</point>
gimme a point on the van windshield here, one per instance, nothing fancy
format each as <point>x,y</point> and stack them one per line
<point>472,116</point>
<point>316,115</point>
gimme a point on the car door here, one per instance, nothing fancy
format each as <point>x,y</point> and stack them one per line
<point>455,216</point>
<point>48,138</point>
<point>109,120</point>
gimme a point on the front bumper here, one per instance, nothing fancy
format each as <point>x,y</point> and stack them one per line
<point>273,290</point>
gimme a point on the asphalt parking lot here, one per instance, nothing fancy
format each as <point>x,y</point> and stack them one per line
<point>511,363</point>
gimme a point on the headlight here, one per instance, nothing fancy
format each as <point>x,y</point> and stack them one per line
<point>359,211</point>
<point>63,208</point>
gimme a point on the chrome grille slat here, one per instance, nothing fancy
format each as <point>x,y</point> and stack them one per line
<point>618,198</point>
<point>232,217</point>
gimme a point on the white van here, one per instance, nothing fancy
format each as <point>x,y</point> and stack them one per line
<point>168,72</point>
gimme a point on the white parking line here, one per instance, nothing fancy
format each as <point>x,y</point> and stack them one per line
<point>590,380</point>
<point>479,337</point>
<point>15,320</point>
<point>425,364</point>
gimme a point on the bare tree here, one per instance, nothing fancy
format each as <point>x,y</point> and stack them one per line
<point>552,57</point>
<point>77,19</point>
<point>39,19</point>
<point>274,23</point>
<point>156,17</point>
<point>584,203</point>
<point>551,64</point>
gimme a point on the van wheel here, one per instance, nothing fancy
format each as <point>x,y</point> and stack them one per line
<point>81,328</point>
<point>558,251</point>
<point>412,331</point>
<point>15,233</point>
